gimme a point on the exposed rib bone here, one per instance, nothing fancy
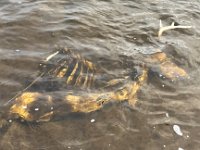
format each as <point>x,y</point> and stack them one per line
<point>51,56</point>
<point>172,26</point>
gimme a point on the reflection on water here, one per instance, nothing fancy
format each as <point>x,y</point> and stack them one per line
<point>166,113</point>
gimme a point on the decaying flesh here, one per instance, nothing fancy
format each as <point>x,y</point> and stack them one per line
<point>76,71</point>
<point>166,67</point>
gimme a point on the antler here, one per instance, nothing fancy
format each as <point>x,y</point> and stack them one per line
<point>172,26</point>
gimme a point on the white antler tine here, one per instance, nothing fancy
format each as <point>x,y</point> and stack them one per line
<point>161,23</point>
<point>172,26</point>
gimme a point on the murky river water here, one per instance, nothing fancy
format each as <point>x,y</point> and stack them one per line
<point>30,30</point>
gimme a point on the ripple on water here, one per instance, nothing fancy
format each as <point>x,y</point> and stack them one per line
<point>166,115</point>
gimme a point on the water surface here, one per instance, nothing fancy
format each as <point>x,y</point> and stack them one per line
<point>30,30</point>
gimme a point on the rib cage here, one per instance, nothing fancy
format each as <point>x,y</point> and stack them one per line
<point>71,68</point>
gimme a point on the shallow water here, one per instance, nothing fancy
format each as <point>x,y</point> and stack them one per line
<point>30,30</point>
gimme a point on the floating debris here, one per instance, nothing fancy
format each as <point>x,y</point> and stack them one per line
<point>92,120</point>
<point>36,109</point>
<point>177,130</point>
<point>17,50</point>
<point>167,115</point>
<point>24,107</point>
<point>180,148</point>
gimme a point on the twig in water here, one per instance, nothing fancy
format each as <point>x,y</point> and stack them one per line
<point>172,26</point>
<point>33,82</point>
